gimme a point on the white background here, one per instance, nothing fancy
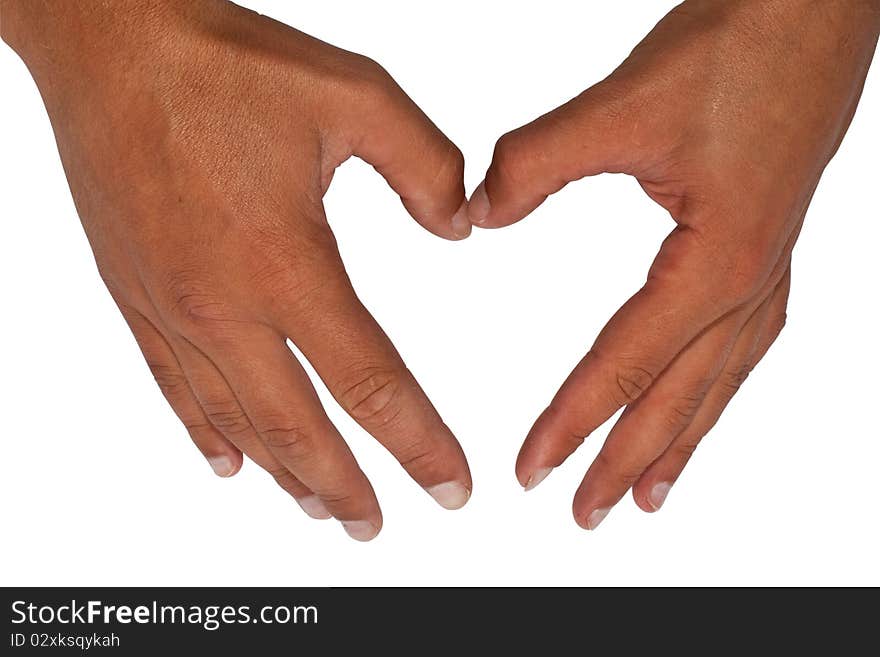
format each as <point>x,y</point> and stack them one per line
<point>100,485</point>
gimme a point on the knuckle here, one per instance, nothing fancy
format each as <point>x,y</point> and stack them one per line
<point>201,312</point>
<point>279,473</point>
<point>194,309</point>
<point>226,416</point>
<point>456,158</point>
<point>631,381</point>
<point>283,476</point>
<point>685,449</point>
<point>728,270</point>
<point>732,379</point>
<point>509,161</point>
<point>368,80</point>
<point>284,436</point>
<point>372,396</point>
<point>367,67</point>
<point>419,456</point>
<point>572,435</point>
<point>451,172</point>
<point>447,175</point>
<point>682,412</point>
<point>682,252</point>
<point>624,474</point>
<point>337,497</point>
<point>196,425</point>
<point>745,270</point>
<point>170,379</point>
<point>745,279</point>
<point>285,479</point>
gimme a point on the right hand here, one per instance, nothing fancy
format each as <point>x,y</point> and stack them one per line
<point>198,140</point>
<point>726,114</point>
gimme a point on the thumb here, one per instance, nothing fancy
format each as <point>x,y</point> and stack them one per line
<point>584,137</point>
<point>388,130</point>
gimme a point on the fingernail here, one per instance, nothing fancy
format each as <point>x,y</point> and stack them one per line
<point>314,507</point>
<point>596,517</point>
<point>536,478</point>
<point>461,225</point>
<point>478,207</point>
<point>360,530</point>
<point>658,494</point>
<point>450,495</point>
<point>222,465</point>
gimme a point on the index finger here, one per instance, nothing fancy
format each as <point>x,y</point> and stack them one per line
<point>637,344</point>
<point>367,376</point>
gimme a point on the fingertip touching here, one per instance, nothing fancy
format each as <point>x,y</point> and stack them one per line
<point>418,161</point>
<point>577,139</point>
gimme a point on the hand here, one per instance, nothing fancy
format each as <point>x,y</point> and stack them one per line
<point>198,140</point>
<point>727,114</point>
